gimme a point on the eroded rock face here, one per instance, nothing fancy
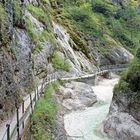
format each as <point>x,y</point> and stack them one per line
<point>77,95</point>
<point>23,49</point>
<point>15,63</point>
<point>77,60</point>
<point>8,92</point>
<point>120,55</point>
<point>123,120</point>
<point>122,126</point>
<point>16,71</point>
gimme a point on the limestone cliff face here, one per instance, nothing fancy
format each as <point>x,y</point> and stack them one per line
<point>32,46</point>
<point>123,121</point>
<point>15,60</point>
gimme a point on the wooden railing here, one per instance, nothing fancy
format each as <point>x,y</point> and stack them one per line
<point>18,127</point>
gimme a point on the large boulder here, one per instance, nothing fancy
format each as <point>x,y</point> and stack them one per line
<point>122,126</point>
<point>77,95</point>
<point>122,122</point>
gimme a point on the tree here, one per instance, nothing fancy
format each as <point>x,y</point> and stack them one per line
<point>134,25</point>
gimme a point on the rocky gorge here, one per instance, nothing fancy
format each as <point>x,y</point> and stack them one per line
<point>122,116</point>
<point>70,38</point>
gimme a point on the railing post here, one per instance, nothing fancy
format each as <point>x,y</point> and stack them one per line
<point>17,111</point>
<point>23,114</point>
<point>8,131</point>
<point>31,103</point>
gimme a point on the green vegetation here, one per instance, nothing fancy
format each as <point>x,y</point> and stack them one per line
<point>44,116</point>
<point>30,30</point>
<point>3,26</point>
<point>45,35</point>
<point>13,50</point>
<point>96,19</point>
<point>38,40</point>
<point>59,63</point>
<point>41,15</point>
<point>130,80</point>
<point>17,12</point>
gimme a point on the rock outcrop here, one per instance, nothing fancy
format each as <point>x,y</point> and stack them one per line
<point>123,120</point>
<point>77,95</point>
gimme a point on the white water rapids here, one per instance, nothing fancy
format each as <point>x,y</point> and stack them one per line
<point>86,124</point>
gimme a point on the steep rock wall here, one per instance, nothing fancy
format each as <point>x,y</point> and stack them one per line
<point>123,121</point>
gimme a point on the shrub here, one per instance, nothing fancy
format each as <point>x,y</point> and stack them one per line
<point>103,7</point>
<point>17,12</point>
<point>4,37</point>
<point>130,79</point>
<point>126,13</point>
<point>40,15</point>
<point>30,30</point>
<point>138,53</point>
<point>133,75</point>
<point>59,63</point>
<point>44,116</point>
<point>122,85</point>
<point>49,36</point>
<point>82,18</point>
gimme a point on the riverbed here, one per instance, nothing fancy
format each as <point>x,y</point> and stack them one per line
<point>87,124</point>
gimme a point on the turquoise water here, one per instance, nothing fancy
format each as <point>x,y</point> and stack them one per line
<point>87,123</point>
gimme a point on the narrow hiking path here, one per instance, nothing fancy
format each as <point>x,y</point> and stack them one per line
<point>13,120</point>
<point>52,78</point>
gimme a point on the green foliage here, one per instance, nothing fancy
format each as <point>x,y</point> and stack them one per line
<point>126,13</point>
<point>46,35</point>
<point>41,15</point>
<point>83,19</point>
<point>133,75</point>
<point>13,51</point>
<point>3,26</point>
<point>130,79</point>
<point>56,85</point>
<point>17,12</point>
<point>122,85</point>
<point>104,7</point>
<point>38,40</point>
<point>138,53</point>
<point>30,89</point>
<point>43,120</point>
<point>94,19</point>
<point>45,1</point>
<point>59,63</point>
<point>30,30</point>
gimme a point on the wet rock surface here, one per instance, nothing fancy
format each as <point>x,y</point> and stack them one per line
<point>77,95</point>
